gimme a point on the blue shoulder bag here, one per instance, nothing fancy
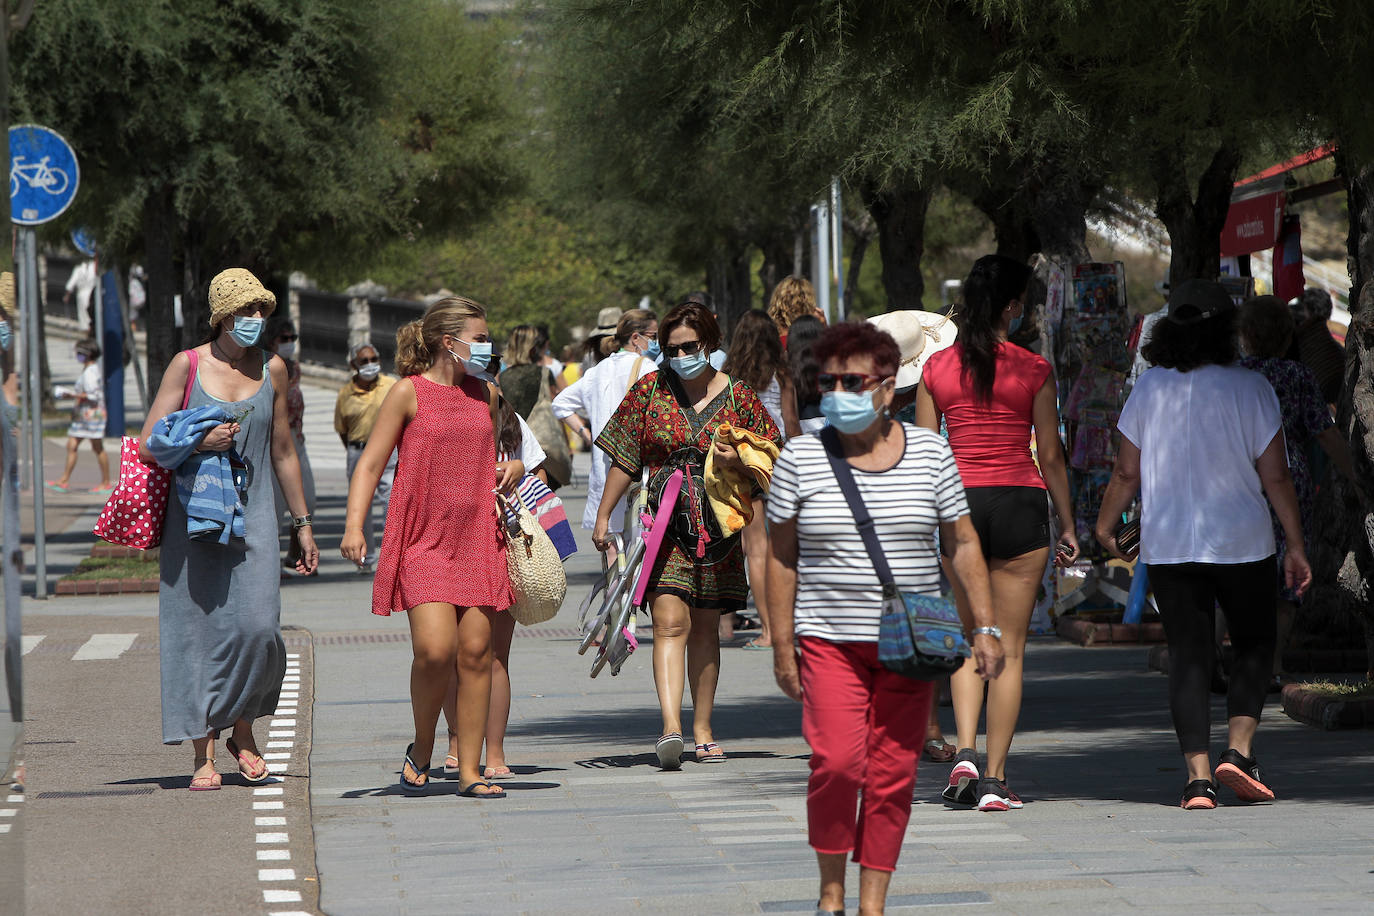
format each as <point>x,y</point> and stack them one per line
<point>919,636</point>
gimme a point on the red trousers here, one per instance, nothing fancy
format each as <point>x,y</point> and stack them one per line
<point>865,726</point>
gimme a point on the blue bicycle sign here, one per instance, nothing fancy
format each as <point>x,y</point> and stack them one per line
<point>43,174</point>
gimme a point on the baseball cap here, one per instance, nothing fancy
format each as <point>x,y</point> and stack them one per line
<point>1197,300</point>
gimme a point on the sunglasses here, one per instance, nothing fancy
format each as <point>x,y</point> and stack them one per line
<point>853,382</point>
<point>690,348</point>
<point>287,338</point>
<point>370,359</point>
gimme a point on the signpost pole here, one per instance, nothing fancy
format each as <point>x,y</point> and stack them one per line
<point>99,318</point>
<point>29,292</point>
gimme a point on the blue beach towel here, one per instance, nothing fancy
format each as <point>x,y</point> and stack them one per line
<point>209,484</point>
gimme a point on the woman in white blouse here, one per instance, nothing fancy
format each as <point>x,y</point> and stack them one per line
<point>599,392</point>
<point>865,724</point>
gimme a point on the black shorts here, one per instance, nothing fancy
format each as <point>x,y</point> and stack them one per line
<point>1010,521</point>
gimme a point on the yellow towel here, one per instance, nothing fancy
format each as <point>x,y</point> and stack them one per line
<point>728,490</point>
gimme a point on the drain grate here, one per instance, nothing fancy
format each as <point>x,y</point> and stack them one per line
<point>99,793</point>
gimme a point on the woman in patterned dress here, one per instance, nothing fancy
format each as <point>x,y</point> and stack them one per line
<point>442,558</point>
<point>1266,332</point>
<point>676,407</point>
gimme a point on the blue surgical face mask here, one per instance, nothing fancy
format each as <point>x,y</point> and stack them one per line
<point>653,350</point>
<point>689,366</point>
<point>6,335</point>
<point>246,330</point>
<point>1014,326</point>
<point>479,356</point>
<point>849,412</point>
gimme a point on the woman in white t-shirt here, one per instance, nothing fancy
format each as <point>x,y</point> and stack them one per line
<point>865,724</point>
<point>1202,440</point>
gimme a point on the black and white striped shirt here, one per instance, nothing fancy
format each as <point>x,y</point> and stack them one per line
<point>838,595</point>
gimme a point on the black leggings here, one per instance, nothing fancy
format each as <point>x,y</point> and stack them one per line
<point>1187,595</point>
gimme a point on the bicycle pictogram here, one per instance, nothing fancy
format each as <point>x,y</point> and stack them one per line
<point>38,175</point>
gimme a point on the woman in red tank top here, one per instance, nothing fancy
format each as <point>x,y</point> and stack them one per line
<point>442,558</point>
<point>991,395</point>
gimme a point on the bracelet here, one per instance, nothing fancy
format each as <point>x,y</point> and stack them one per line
<point>994,632</point>
<point>302,521</point>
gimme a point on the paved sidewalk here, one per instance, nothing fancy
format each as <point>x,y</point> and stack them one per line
<point>591,825</point>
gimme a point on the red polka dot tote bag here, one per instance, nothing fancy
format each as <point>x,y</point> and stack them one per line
<point>134,514</point>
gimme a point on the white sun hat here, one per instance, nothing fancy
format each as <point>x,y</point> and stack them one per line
<point>919,335</point>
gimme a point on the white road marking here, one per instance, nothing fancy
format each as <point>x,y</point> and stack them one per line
<point>291,655</point>
<point>29,643</point>
<point>274,855</point>
<point>277,756</point>
<point>288,913</point>
<point>105,645</point>
<point>287,733</point>
<point>272,838</point>
<point>268,806</point>
<point>4,828</point>
<point>269,822</point>
<point>272,895</point>
<point>283,723</point>
<point>14,798</point>
<point>280,743</point>
<point>276,874</point>
<point>276,790</point>
<point>277,766</point>
<point>8,812</point>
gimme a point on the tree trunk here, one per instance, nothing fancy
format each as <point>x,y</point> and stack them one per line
<point>900,215</point>
<point>728,280</point>
<point>778,255</point>
<point>1195,223</point>
<point>159,235</point>
<point>1342,538</point>
<point>1058,213</point>
<point>862,230</point>
<point>1012,226</point>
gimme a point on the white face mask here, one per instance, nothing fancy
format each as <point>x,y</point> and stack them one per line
<point>369,371</point>
<point>287,350</point>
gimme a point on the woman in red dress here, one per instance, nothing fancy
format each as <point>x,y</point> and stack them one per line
<point>442,557</point>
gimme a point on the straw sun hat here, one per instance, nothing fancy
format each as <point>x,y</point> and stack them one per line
<point>919,335</point>
<point>234,288</point>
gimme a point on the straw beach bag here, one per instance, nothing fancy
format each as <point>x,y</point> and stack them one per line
<point>536,572</point>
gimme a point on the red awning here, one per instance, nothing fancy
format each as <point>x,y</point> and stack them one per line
<point>1252,224</point>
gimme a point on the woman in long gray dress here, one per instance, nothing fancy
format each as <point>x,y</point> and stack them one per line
<point>219,612</point>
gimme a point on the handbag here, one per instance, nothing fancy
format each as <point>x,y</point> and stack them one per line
<point>536,572</point>
<point>919,636</point>
<point>692,526</point>
<point>135,511</point>
<point>548,431</point>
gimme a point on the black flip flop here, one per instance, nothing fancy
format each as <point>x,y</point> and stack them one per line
<point>467,790</point>
<point>413,788</point>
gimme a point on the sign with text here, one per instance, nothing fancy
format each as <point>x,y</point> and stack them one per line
<point>1252,224</point>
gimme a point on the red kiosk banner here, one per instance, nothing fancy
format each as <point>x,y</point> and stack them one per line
<point>1252,224</point>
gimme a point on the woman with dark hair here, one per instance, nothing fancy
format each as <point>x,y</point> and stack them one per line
<point>1266,331</point>
<point>991,395</point>
<point>88,419</point>
<point>671,417</point>
<point>756,359</point>
<point>529,386</point>
<point>864,723</point>
<point>1202,441</point>
<point>801,336</point>
<point>279,337</point>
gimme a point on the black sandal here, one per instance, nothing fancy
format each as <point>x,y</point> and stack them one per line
<point>413,788</point>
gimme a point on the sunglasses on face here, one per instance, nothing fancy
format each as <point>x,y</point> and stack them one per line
<point>690,348</point>
<point>287,338</point>
<point>364,360</point>
<point>853,382</point>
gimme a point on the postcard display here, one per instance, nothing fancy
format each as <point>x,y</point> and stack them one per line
<point>1085,333</point>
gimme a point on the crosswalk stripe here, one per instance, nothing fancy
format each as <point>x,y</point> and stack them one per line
<point>29,643</point>
<point>105,645</point>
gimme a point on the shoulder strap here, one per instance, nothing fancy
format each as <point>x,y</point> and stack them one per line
<point>844,475</point>
<point>634,375</point>
<point>194,357</point>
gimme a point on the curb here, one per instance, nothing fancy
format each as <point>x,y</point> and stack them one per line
<point>107,586</point>
<point>104,550</point>
<point>1088,634</point>
<point>1324,712</point>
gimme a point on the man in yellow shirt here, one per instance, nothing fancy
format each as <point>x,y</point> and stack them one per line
<point>355,413</point>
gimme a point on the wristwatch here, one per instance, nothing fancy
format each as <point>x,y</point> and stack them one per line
<point>994,632</point>
<point>302,521</point>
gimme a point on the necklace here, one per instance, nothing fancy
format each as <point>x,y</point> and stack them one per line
<point>234,363</point>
